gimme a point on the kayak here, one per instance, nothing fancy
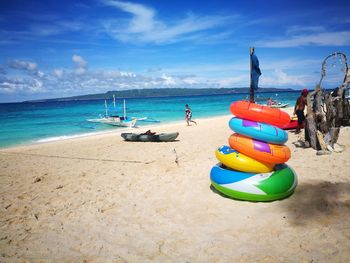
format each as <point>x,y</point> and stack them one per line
<point>141,137</point>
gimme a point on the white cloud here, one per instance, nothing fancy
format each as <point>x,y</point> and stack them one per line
<point>37,86</point>
<point>168,80</point>
<point>240,80</point>
<point>297,29</point>
<point>57,73</point>
<point>21,85</point>
<point>79,61</point>
<point>77,80</point>
<point>142,20</point>
<point>80,71</point>
<point>144,27</point>
<point>341,38</point>
<point>127,74</point>
<point>7,87</point>
<point>40,74</point>
<point>80,65</point>
<point>23,65</point>
<point>191,80</point>
<point>281,78</point>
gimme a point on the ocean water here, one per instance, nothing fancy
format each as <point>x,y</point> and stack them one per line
<point>34,122</point>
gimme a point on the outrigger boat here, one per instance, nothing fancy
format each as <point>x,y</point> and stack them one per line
<point>279,105</point>
<point>114,119</point>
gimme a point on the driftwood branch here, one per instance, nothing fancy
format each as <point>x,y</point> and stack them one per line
<point>327,112</point>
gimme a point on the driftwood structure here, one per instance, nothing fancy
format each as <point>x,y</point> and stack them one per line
<point>327,111</point>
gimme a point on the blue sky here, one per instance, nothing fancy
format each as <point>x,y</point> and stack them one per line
<point>63,48</point>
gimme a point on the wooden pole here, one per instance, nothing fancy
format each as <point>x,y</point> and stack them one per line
<point>251,91</point>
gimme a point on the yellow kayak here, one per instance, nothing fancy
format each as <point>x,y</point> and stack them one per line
<point>240,162</point>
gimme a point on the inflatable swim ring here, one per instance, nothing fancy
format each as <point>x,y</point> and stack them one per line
<point>260,131</point>
<point>293,124</point>
<point>254,187</point>
<point>241,162</point>
<point>254,112</point>
<point>259,150</point>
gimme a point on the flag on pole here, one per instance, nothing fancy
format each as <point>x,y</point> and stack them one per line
<point>255,71</point>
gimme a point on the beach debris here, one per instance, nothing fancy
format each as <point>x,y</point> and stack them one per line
<point>38,179</point>
<point>176,157</point>
<point>299,144</point>
<point>8,206</point>
<point>338,148</point>
<point>36,215</point>
<point>323,152</point>
<point>329,148</point>
<point>102,210</point>
<point>59,187</point>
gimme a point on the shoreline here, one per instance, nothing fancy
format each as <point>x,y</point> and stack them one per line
<point>116,131</point>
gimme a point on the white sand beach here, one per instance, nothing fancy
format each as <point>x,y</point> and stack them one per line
<point>102,199</point>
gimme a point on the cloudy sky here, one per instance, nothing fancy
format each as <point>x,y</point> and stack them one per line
<point>62,48</point>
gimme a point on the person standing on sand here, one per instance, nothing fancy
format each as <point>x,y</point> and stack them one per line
<point>270,102</point>
<point>299,109</point>
<point>188,115</point>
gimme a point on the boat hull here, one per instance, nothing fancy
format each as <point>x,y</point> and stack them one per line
<point>115,122</point>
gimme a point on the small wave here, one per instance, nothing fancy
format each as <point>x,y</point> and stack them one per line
<point>65,137</point>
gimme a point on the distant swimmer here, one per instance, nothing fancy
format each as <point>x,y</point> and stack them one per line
<point>188,115</point>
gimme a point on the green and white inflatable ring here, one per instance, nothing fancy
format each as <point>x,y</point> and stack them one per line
<point>254,187</point>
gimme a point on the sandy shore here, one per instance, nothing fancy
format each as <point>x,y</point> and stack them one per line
<point>101,199</point>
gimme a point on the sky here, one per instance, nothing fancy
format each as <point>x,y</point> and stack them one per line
<point>51,49</point>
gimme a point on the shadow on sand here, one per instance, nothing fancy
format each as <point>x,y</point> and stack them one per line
<point>319,201</point>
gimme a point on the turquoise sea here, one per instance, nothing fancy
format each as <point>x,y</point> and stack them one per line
<point>35,122</point>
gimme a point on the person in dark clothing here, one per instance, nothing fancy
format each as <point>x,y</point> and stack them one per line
<point>299,109</point>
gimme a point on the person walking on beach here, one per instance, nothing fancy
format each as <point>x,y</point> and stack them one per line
<point>188,115</point>
<point>270,102</point>
<point>299,109</point>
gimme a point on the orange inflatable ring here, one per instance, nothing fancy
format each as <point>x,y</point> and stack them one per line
<point>259,150</point>
<point>255,112</point>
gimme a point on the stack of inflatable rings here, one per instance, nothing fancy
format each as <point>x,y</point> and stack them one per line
<point>253,168</point>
